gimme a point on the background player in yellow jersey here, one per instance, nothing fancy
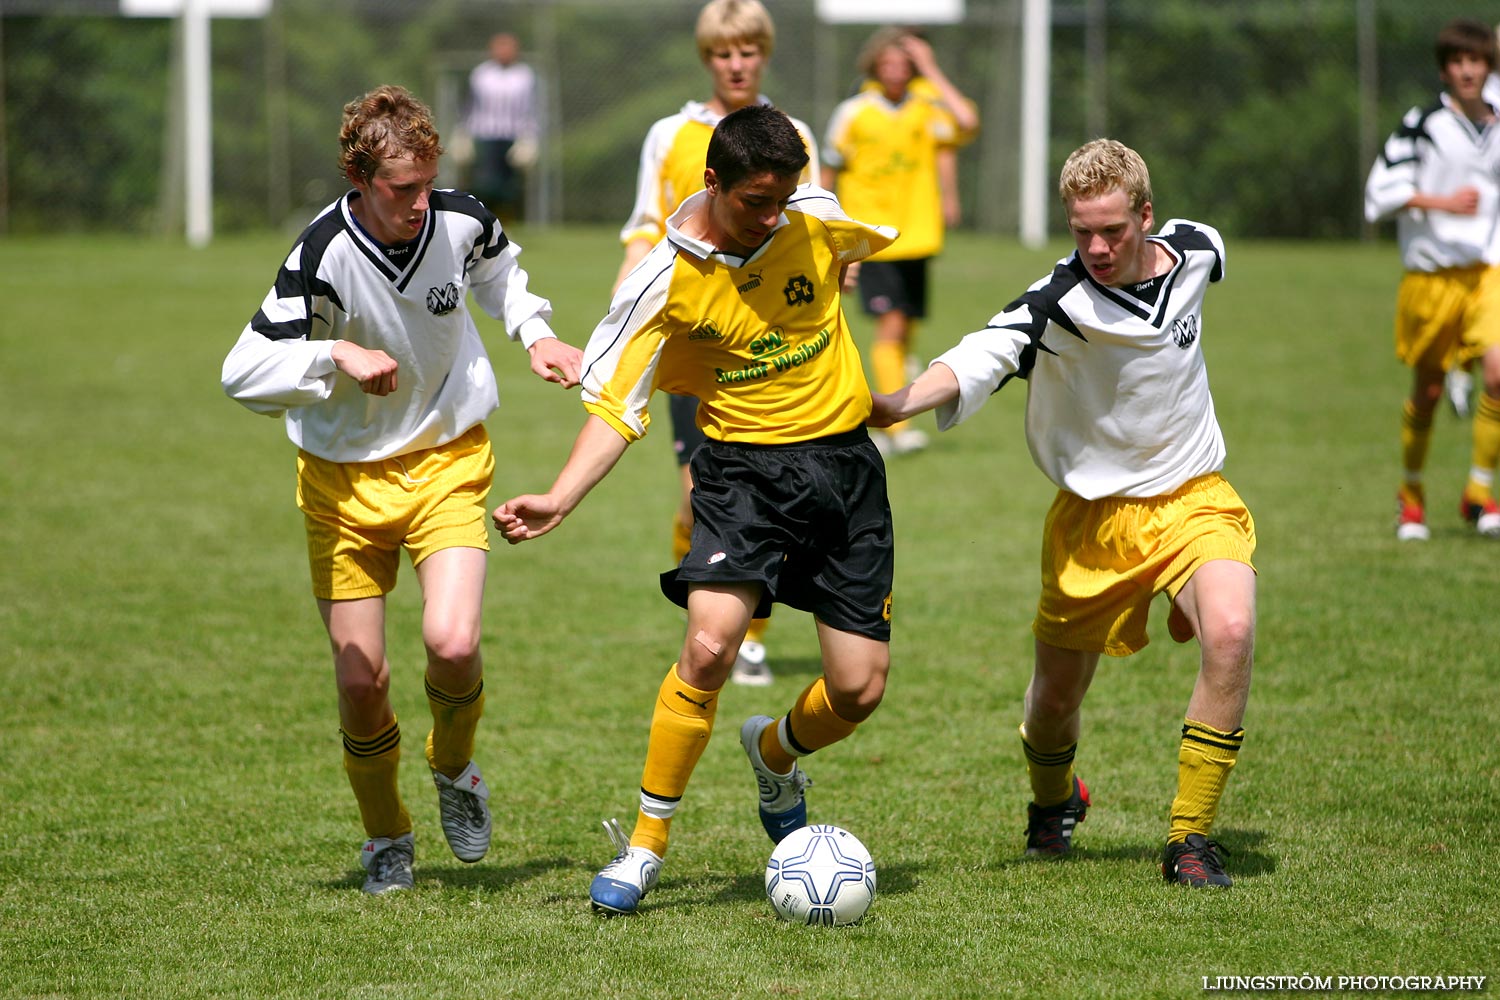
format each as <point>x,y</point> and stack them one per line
<point>1119,416</point>
<point>888,154</point>
<point>740,306</point>
<point>366,348</point>
<point>735,40</point>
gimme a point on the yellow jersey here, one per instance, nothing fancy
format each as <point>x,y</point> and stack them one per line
<point>886,156</point>
<point>671,167</point>
<point>761,341</point>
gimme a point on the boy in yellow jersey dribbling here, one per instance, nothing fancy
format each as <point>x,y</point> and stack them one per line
<point>735,40</point>
<point>740,307</point>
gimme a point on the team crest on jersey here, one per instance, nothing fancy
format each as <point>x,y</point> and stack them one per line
<point>1185,331</point>
<point>706,330</point>
<point>752,284</point>
<point>799,291</point>
<point>442,301</point>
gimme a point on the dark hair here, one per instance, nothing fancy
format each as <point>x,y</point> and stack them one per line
<point>756,139</point>
<point>1465,36</point>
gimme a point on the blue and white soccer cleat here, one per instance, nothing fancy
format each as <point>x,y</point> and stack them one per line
<point>619,888</point>
<point>782,805</point>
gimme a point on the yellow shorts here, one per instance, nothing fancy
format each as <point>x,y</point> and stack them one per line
<point>361,514</point>
<point>1445,319</point>
<point>1104,560</point>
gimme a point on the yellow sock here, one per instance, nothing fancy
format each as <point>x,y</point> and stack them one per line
<point>680,727</point>
<point>1050,770</point>
<point>1416,435</point>
<point>371,763</point>
<point>682,538</point>
<point>888,364</point>
<point>1204,761</point>
<point>812,724</point>
<point>757,630</point>
<point>1486,449</point>
<point>455,717</point>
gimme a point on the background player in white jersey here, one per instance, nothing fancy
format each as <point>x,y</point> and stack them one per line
<point>366,346</point>
<point>1119,417</point>
<point>740,307</point>
<point>735,39</point>
<point>1439,177</point>
<point>502,119</point>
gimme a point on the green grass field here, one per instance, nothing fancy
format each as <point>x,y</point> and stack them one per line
<point>174,820</point>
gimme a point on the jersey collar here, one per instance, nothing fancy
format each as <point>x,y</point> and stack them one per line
<point>704,250</point>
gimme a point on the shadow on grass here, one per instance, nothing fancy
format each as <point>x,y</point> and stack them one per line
<point>749,887</point>
<point>1243,858</point>
<point>482,876</point>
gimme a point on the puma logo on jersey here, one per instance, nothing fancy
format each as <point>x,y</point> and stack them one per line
<point>752,284</point>
<point>442,301</point>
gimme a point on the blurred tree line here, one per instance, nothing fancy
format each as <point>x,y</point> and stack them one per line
<point>1249,112</point>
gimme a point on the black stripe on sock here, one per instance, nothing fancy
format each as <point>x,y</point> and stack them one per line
<point>1053,759</point>
<point>1224,741</point>
<point>444,698</point>
<point>797,748</point>
<point>660,798</point>
<point>372,746</point>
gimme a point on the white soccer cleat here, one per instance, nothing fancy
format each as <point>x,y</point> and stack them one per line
<point>1484,515</point>
<point>388,864</point>
<point>1458,387</point>
<point>463,803</point>
<point>750,667</point>
<point>621,885</point>
<point>1411,522</point>
<point>783,808</point>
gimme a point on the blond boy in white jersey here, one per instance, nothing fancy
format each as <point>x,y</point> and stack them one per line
<point>1120,418</point>
<point>740,307</point>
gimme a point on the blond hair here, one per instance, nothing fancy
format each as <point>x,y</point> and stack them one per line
<point>1104,165</point>
<point>722,22</point>
<point>384,124</point>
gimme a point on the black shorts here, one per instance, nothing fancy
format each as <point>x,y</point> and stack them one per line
<point>894,285</point>
<point>686,437</point>
<point>809,521</point>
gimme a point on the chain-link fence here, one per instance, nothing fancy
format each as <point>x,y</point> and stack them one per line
<point>1260,114</point>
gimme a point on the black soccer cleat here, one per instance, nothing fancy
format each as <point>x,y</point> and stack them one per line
<point>1049,830</point>
<point>1195,862</point>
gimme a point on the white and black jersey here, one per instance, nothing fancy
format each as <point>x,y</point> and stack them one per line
<point>1118,401</point>
<point>1438,150</point>
<point>409,301</point>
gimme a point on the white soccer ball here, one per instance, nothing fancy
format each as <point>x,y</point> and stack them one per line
<point>820,874</point>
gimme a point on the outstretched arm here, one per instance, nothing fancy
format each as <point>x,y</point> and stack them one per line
<point>555,361</point>
<point>595,451</point>
<point>931,389</point>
